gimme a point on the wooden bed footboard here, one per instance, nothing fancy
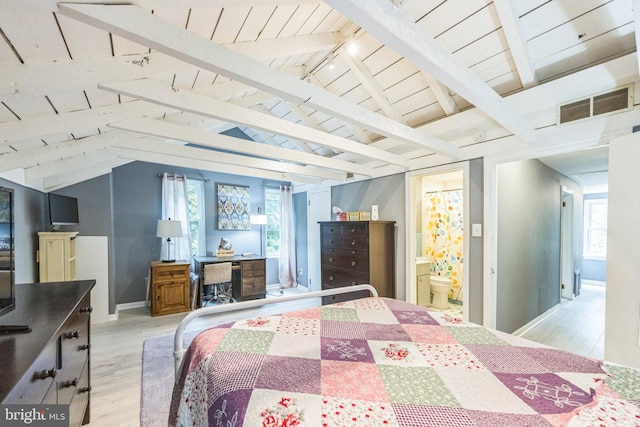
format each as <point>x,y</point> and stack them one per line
<point>178,346</point>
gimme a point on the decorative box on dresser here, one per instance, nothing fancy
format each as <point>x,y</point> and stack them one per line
<point>51,364</point>
<point>356,253</point>
<point>170,287</point>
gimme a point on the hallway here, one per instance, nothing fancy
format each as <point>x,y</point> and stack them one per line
<point>577,326</point>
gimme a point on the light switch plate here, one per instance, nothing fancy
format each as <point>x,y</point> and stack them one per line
<point>476,230</point>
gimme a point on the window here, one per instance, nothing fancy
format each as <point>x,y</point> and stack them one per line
<point>272,210</point>
<point>595,221</point>
<point>195,197</point>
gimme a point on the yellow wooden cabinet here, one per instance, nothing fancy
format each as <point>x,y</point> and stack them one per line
<point>57,256</point>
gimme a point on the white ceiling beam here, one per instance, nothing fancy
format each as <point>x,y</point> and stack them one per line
<point>193,153</point>
<point>308,121</point>
<point>171,160</point>
<point>371,85</point>
<point>47,77</point>
<point>76,121</point>
<point>156,92</point>
<point>140,26</point>
<point>441,92</point>
<point>392,27</point>
<point>516,41</point>
<point>51,5</point>
<point>163,129</point>
<point>300,144</point>
<point>81,172</point>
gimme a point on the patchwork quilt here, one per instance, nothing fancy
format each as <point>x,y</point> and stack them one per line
<point>383,362</point>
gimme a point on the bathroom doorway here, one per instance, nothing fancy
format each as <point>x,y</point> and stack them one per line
<point>437,212</point>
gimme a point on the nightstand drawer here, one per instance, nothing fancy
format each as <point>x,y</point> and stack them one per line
<point>161,273</point>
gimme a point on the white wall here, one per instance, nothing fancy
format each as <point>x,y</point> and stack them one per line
<point>623,269</point>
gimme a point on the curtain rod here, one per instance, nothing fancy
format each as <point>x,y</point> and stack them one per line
<point>192,179</point>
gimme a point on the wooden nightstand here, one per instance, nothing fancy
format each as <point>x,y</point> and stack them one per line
<point>169,286</point>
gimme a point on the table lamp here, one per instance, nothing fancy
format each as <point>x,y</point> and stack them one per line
<point>167,229</point>
<point>259,219</point>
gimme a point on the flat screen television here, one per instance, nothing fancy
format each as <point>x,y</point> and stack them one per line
<point>63,210</point>
<point>7,252</point>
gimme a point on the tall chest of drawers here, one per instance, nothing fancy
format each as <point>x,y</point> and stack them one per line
<point>356,253</point>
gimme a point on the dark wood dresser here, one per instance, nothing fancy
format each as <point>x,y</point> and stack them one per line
<point>356,253</point>
<point>50,364</point>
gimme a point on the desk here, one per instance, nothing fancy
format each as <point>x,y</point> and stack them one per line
<point>249,280</point>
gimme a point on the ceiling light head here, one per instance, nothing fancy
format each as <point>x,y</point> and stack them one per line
<point>352,46</point>
<point>330,64</point>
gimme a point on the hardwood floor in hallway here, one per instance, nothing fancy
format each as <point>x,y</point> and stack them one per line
<point>576,326</point>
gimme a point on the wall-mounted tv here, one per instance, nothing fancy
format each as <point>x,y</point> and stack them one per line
<point>7,255</point>
<point>63,210</point>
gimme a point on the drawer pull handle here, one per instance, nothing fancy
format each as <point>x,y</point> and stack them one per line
<point>330,277</point>
<point>353,263</point>
<point>71,383</point>
<point>353,243</point>
<point>331,230</point>
<point>353,230</point>
<point>331,259</point>
<point>354,283</point>
<point>86,309</point>
<point>74,334</point>
<point>84,347</point>
<point>84,389</point>
<point>45,373</point>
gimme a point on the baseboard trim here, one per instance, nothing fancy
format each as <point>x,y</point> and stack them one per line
<point>526,328</point>
<point>129,305</point>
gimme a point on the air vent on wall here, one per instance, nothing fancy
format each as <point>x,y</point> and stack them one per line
<point>604,103</point>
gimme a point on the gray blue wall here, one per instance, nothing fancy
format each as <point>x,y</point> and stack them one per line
<point>528,266</point>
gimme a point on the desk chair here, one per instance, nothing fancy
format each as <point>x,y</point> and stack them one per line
<point>217,280</point>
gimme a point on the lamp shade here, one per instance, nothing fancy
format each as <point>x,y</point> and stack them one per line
<point>258,219</point>
<point>168,228</point>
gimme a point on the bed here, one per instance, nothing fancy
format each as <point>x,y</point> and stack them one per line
<point>383,362</point>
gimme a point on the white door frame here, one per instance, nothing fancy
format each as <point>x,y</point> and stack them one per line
<point>317,200</point>
<point>411,292</point>
<point>566,243</point>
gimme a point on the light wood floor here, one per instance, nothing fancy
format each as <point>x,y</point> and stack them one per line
<point>577,326</point>
<point>116,350</point>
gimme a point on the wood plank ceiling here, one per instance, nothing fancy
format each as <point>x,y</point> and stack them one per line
<point>92,85</point>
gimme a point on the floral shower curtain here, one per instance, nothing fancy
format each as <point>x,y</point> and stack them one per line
<point>287,266</point>
<point>175,207</point>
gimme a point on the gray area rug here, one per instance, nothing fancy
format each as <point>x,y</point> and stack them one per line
<point>157,379</point>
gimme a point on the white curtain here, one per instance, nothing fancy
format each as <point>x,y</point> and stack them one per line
<point>175,207</point>
<point>287,266</point>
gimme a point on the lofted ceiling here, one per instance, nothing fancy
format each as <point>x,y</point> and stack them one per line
<point>88,86</point>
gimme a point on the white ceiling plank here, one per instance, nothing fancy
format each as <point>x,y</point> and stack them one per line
<point>391,26</point>
<point>233,159</point>
<point>182,133</point>
<point>288,46</point>
<point>517,42</point>
<point>636,19</point>
<point>188,101</point>
<point>53,168</point>
<point>300,144</point>
<point>40,127</point>
<point>205,165</point>
<point>80,173</point>
<point>370,83</point>
<point>141,26</point>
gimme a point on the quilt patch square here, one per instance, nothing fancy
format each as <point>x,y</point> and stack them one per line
<point>290,374</point>
<point>421,416</point>
<point>229,409</point>
<point>233,376</point>
<point>413,316</point>
<point>560,361</point>
<point>308,313</point>
<point>267,323</point>
<point>429,334</point>
<point>474,335</point>
<point>299,326</point>
<point>241,340</point>
<point>276,409</point>
<point>504,419</point>
<point>352,412</point>
<point>397,353</point>
<point>345,330</point>
<point>340,314</point>
<point>449,355</point>
<point>382,316</point>
<point>352,380</point>
<point>546,393</point>
<point>625,381</point>
<point>506,359</point>
<point>348,350</point>
<point>304,346</point>
<point>370,304</point>
<point>374,331</point>
<point>416,386</point>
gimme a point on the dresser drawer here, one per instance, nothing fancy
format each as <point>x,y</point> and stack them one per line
<point>162,273</point>
<point>331,229</point>
<point>80,399</point>
<point>253,286</point>
<point>329,241</point>
<point>35,386</point>
<point>355,229</point>
<point>253,268</point>
<point>335,278</point>
<point>75,335</point>
<point>348,259</point>
<point>355,242</point>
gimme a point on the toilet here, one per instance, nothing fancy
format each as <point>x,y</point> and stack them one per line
<point>440,287</point>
